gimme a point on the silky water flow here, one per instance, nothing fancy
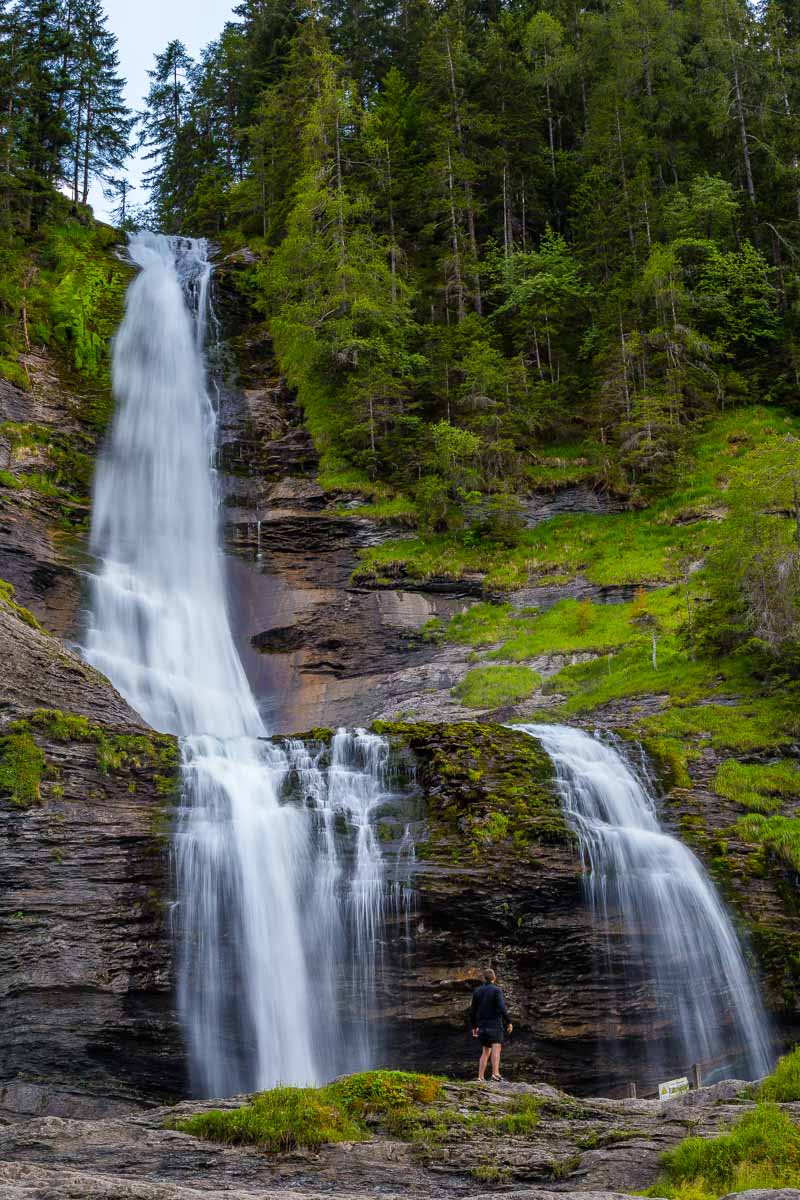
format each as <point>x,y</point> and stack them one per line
<point>280,881</point>
<point>681,940</point>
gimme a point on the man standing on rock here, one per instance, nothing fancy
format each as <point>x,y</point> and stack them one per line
<point>487,1017</point>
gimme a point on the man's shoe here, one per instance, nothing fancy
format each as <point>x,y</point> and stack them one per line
<point>497,1079</point>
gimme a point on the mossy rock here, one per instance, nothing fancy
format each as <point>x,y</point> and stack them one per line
<point>487,789</point>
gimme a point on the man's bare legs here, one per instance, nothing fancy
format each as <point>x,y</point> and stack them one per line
<point>495,1048</point>
<point>484,1062</point>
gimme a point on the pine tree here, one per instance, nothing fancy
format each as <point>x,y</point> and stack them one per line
<point>162,120</point>
<point>101,121</point>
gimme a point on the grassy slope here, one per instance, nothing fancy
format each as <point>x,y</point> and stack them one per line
<point>691,704</point>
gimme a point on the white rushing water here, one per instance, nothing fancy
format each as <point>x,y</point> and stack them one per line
<point>280,877</point>
<point>679,932</point>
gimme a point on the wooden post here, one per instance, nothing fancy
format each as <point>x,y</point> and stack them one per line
<point>697,1076</point>
<point>632,1090</point>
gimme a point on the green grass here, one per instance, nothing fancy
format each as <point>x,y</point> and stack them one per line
<point>627,548</point>
<point>757,724</point>
<point>649,545</point>
<point>22,765</point>
<point>560,465</point>
<point>630,673</point>
<point>289,1117</point>
<point>522,1118</point>
<point>482,624</point>
<point>279,1121</point>
<point>779,835</point>
<point>783,1085</point>
<point>492,687</point>
<point>762,789</point>
<point>8,480</point>
<point>762,1150</point>
<point>573,625</point>
<point>7,593</point>
<point>396,508</point>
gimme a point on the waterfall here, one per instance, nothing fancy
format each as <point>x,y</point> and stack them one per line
<point>280,879</point>
<point>680,937</point>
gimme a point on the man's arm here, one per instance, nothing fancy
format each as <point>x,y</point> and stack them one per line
<point>503,1010</point>
<point>473,1012</point>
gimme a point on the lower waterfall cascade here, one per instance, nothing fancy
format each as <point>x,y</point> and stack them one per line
<point>280,879</point>
<point>640,877</point>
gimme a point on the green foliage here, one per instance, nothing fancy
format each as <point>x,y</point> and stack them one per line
<point>78,298</point>
<point>492,687</point>
<point>783,1085</point>
<point>480,625</point>
<point>490,783</point>
<point>523,1118</point>
<point>278,1121</point>
<point>760,788</point>
<point>762,1150</point>
<point>779,835</point>
<point>412,277</point>
<point>22,765</point>
<point>286,1118</point>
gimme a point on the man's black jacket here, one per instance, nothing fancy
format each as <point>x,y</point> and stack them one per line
<point>488,1007</point>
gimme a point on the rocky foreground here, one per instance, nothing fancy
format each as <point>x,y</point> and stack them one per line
<point>590,1148</point>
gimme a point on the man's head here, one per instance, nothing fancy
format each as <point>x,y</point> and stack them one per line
<point>489,975</point>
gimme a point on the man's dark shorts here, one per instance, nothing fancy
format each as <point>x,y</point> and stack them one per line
<point>489,1035</point>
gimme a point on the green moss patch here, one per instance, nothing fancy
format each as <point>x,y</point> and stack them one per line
<point>7,594</point>
<point>22,765</point>
<point>287,1117</point>
<point>493,687</point>
<point>760,788</point>
<point>779,835</point>
<point>115,752</point>
<point>486,787</point>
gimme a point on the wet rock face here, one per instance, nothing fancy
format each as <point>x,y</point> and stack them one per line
<point>498,882</point>
<point>41,534</point>
<point>318,649</point>
<point>86,799</point>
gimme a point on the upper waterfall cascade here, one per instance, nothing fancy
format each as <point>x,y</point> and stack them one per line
<point>279,907</point>
<point>681,938</point>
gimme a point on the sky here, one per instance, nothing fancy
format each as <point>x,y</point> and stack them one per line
<point>143,28</point>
